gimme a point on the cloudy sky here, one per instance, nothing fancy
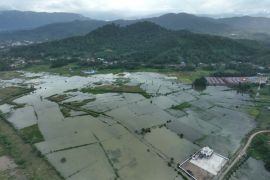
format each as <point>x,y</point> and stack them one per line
<point>108,9</point>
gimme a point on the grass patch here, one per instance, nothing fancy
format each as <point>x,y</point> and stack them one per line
<point>79,103</point>
<point>8,75</point>
<point>87,111</point>
<point>65,111</point>
<point>31,134</point>
<point>8,94</point>
<point>68,70</point>
<point>77,106</point>
<point>116,89</point>
<point>182,106</point>
<point>71,90</point>
<point>121,81</point>
<point>262,104</point>
<point>190,76</point>
<point>263,118</point>
<point>252,111</point>
<point>58,97</point>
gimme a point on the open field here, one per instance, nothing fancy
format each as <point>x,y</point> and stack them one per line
<point>129,134</point>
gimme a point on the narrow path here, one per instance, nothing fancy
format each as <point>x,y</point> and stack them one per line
<point>242,152</point>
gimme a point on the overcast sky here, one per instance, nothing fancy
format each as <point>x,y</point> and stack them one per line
<point>109,9</point>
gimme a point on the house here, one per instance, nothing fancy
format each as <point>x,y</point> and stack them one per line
<point>89,71</point>
<point>206,152</point>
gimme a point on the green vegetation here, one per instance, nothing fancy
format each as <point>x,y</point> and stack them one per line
<point>260,146</point>
<point>73,105</point>
<point>79,103</point>
<point>200,84</point>
<point>121,81</point>
<point>58,97</point>
<point>190,76</point>
<point>17,144</point>
<point>65,111</point>
<point>30,164</point>
<point>7,75</point>
<point>71,90</point>
<point>8,94</point>
<point>260,149</point>
<point>31,134</point>
<point>116,89</point>
<point>66,107</point>
<point>252,111</point>
<point>182,106</point>
<point>244,87</point>
<point>67,70</point>
<point>262,104</point>
<point>141,43</point>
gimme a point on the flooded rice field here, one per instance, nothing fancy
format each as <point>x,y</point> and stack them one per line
<point>127,135</point>
<point>251,169</point>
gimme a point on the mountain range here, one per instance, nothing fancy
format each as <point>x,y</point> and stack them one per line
<point>146,43</point>
<point>257,28</point>
<point>21,20</point>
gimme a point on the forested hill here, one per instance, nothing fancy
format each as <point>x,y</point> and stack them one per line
<point>53,31</point>
<point>143,42</point>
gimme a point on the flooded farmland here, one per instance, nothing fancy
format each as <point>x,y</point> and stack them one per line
<point>114,132</point>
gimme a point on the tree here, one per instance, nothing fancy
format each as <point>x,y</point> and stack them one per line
<point>200,84</point>
<point>181,135</point>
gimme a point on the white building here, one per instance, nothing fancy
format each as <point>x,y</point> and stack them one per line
<point>207,152</point>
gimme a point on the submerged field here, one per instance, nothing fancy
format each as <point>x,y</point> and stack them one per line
<point>128,125</point>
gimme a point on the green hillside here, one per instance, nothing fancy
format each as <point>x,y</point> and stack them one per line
<point>146,43</point>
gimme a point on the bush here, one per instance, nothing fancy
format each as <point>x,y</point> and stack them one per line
<point>200,84</point>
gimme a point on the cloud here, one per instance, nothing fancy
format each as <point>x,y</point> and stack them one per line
<point>131,8</point>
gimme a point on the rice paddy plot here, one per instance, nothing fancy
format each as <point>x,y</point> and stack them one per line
<point>23,117</point>
<point>143,108</point>
<point>72,162</point>
<point>181,97</point>
<point>74,140</point>
<point>250,170</point>
<point>176,113</point>
<point>171,144</point>
<point>132,160</point>
<point>203,104</point>
<point>133,98</point>
<point>163,102</point>
<point>78,96</point>
<point>198,124</point>
<point>106,102</point>
<point>6,108</point>
<point>77,113</point>
<point>189,132</point>
<point>233,127</point>
<point>100,129</point>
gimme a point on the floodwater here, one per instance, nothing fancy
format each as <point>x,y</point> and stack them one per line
<point>112,143</point>
<point>251,169</point>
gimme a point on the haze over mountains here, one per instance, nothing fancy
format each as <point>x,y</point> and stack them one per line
<point>19,20</point>
<point>257,28</point>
